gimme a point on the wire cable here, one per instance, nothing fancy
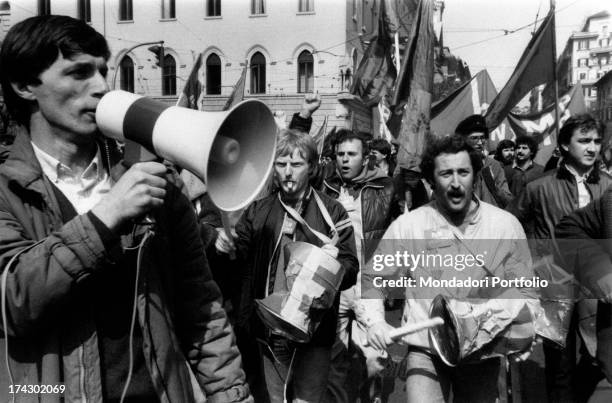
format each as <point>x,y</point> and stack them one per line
<point>146,236</point>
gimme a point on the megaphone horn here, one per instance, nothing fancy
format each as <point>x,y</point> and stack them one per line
<point>231,151</point>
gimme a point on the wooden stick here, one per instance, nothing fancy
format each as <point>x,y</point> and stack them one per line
<point>400,332</point>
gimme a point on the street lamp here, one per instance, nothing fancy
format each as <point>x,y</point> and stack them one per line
<point>158,51</point>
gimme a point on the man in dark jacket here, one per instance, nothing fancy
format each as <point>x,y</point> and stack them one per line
<point>491,184</point>
<point>368,195</point>
<point>540,207</point>
<point>296,212</point>
<point>523,169</point>
<point>585,243</point>
<point>101,307</point>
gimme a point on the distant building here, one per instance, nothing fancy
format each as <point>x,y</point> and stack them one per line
<point>290,47</point>
<point>587,57</point>
<point>603,106</point>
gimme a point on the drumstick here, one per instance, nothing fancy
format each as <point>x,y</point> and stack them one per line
<point>400,332</point>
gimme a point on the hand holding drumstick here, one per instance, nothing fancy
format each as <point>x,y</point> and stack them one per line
<point>381,335</point>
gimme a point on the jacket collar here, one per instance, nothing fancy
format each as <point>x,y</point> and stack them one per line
<point>335,182</point>
<point>564,173</point>
<point>22,165</point>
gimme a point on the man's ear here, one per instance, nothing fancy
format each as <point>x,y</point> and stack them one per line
<point>24,91</point>
<point>565,147</point>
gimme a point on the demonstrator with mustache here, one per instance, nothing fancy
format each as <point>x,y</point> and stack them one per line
<point>456,222</point>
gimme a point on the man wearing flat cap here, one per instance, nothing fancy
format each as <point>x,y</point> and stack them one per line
<point>490,185</point>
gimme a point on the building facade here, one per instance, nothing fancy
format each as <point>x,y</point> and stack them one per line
<point>290,47</point>
<point>603,108</point>
<point>587,57</point>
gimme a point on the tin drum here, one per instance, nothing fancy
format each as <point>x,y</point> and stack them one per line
<point>475,330</point>
<point>313,280</point>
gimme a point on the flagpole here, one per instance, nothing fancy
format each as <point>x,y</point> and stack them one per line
<point>397,51</point>
<point>554,55</point>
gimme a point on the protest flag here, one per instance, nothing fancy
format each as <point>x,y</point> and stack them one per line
<point>376,72</point>
<point>535,67</point>
<point>192,92</point>
<point>413,89</point>
<point>237,94</point>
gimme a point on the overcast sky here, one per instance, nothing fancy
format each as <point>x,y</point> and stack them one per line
<point>469,21</point>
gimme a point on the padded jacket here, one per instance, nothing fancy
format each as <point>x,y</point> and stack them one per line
<point>51,330</point>
<point>379,206</point>
<point>258,236</point>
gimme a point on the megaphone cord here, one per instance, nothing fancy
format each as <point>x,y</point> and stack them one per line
<point>146,236</point>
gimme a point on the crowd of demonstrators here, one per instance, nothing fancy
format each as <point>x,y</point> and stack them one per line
<point>92,299</point>
<point>540,207</point>
<point>367,193</point>
<point>490,184</point>
<point>72,230</point>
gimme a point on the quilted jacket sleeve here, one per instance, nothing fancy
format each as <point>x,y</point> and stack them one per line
<point>202,327</point>
<point>41,277</point>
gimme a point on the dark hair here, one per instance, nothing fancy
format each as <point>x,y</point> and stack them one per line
<point>472,124</point>
<point>452,144</point>
<point>382,146</point>
<point>584,123</point>
<point>501,146</point>
<point>343,135</point>
<point>33,45</point>
<point>530,142</point>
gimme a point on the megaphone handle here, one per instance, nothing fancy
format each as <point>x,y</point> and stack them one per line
<point>400,332</point>
<point>228,231</point>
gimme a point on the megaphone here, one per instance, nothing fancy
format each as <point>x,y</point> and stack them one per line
<point>231,151</point>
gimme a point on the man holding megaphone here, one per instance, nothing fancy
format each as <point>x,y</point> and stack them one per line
<point>95,305</point>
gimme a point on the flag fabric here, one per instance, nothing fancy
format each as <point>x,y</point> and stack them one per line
<point>376,72</point>
<point>192,93</point>
<point>237,94</point>
<point>319,136</point>
<point>413,89</point>
<point>541,125</point>
<point>535,67</point>
<point>471,98</point>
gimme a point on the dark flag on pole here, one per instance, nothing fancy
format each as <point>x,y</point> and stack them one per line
<point>376,73</point>
<point>413,89</point>
<point>237,94</point>
<point>535,67</point>
<point>193,87</point>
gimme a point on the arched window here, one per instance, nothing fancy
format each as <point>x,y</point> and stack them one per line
<point>126,68</point>
<point>305,72</point>
<point>169,76</point>
<point>258,74</point>
<point>213,75</point>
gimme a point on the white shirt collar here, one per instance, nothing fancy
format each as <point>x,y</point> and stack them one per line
<point>579,178</point>
<point>56,171</point>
